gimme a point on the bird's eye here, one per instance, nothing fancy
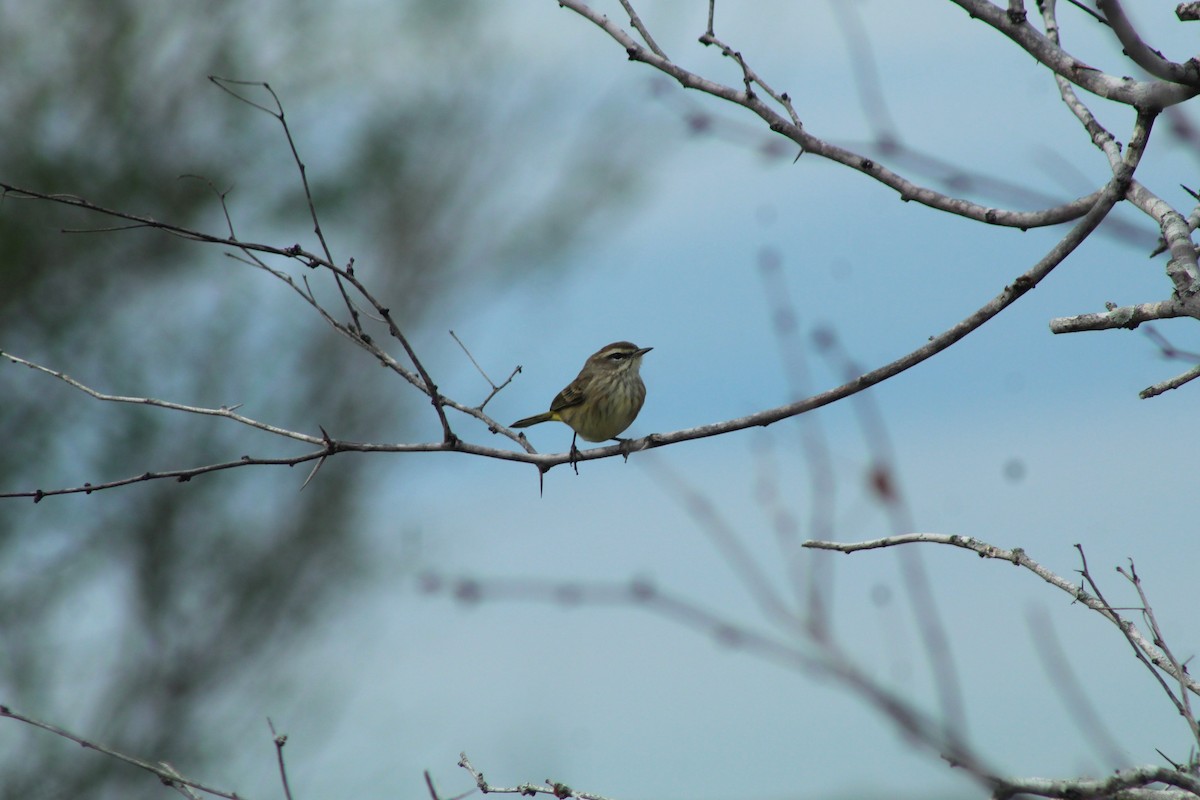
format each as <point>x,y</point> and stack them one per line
<point>617,356</point>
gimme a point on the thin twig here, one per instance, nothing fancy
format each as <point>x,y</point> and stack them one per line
<point>278,114</point>
<point>182,788</point>
<point>636,22</point>
<point>1148,658</point>
<point>1183,703</point>
<point>346,274</point>
<point>280,741</point>
<point>167,774</point>
<point>224,411</point>
<point>553,789</point>
<point>495,389</point>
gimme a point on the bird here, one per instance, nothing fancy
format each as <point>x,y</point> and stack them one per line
<point>604,399</point>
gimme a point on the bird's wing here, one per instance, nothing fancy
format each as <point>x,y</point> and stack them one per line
<point>571,396</point>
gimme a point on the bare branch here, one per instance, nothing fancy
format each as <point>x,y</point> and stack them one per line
<point>1172,383</point>
<point>1128,317</point>
<point>1144,56</point>
<point>1100,136</point>
<point>1112,786</point>
<point>166,773</point>
<point>936,344</point>
<point>1145,95</point>
<point>1183,701</point>
<point>1022,284</point>
<point>793,130</point>
<point>182,788</point>
<point>228,412</point>
<point>636,22</point>
<point>553,789</point>
<point>427,384</point>
<point>1018,557</point>
<point>224,84</point>
<point>280,741</point>
<point>750,77</point>
<point>495,389</point>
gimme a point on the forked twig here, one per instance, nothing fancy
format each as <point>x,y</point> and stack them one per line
<point>347,273</point>
<point>495,389</point>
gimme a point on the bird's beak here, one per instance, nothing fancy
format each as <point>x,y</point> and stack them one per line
<point>641,351</point>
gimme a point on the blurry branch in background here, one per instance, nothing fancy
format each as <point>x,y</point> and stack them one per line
<point>796,646</point>
<point>1078,706</point>
<point>793,641</point>
<point>794,625</point>
<point>1175,84</point>
<point>795,638</point>
<point>1169,350</point>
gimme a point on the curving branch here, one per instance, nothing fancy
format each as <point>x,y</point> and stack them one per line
<point>1143,95</point>
<point>1142,54</point>
<point>765,101</point>
<point>329,446</point>
<point>789,124</point>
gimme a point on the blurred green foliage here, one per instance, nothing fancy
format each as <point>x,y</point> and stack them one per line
<point>195,587</point>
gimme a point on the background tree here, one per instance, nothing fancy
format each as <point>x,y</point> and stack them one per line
<point>144,619</point>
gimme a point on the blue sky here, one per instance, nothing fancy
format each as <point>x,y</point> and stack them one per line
<point>619,702</point>
<point>622,703</point>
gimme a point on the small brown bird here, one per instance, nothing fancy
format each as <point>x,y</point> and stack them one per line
<point>604,399</point>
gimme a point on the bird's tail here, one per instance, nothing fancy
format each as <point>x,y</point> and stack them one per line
<point>545,416</point>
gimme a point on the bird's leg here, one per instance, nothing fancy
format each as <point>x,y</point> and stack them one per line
<point>625,447</point>
<point>574,453</point>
